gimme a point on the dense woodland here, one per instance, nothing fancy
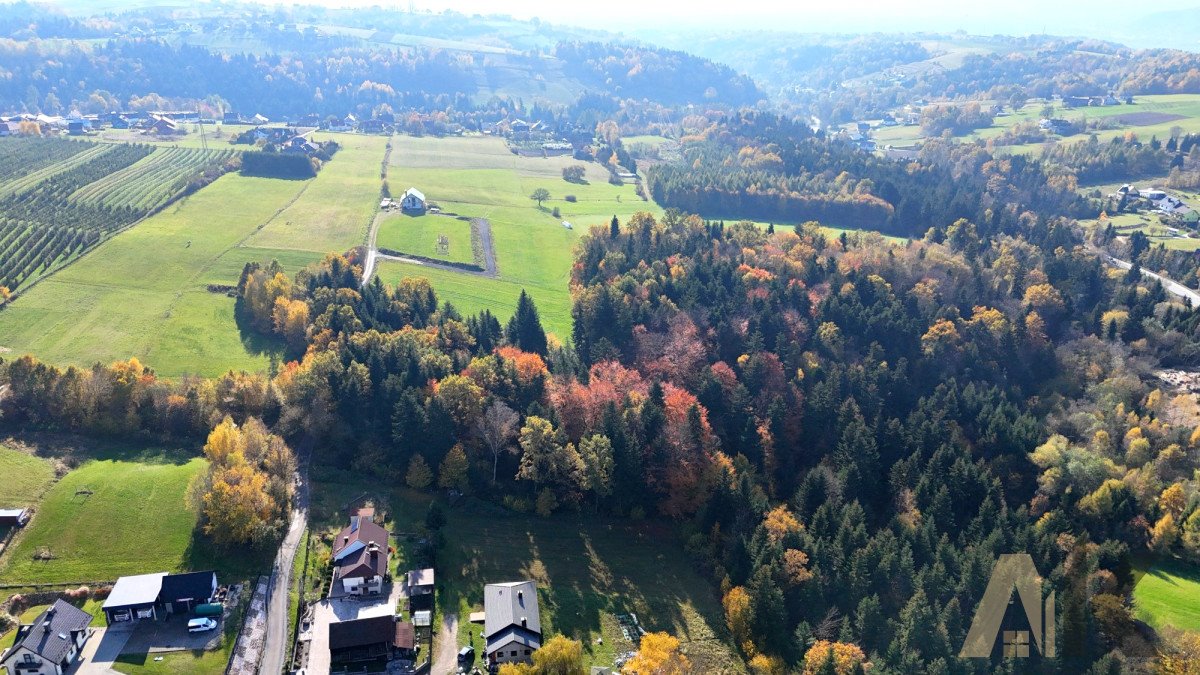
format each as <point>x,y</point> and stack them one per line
<point>794,403</point>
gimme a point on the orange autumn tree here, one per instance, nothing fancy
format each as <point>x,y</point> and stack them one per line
<point>247,491</point>
<point>845,657</point>
<point>658,654</point>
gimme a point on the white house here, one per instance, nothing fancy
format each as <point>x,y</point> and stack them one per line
<point>413,200</point>
<point>51,644</point>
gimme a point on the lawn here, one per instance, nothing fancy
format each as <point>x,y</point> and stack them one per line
<point>334,211</point>
<point>477,176</point>
<point>26,477</point>
<point>419,235</point>
<point>122,513</point>
<point>588,569</point>
<point>1168,594</point>
<point>1128,223</point>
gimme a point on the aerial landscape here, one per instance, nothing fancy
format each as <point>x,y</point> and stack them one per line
<point>561,340</point>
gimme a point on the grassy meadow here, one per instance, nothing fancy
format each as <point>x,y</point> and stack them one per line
<point>143,293</point>
<point>478,177</point>
<point>26,478</point>
<point>1168,594</point>
<point>419,236</point>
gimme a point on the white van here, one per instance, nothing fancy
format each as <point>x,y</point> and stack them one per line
<point>201,625</point>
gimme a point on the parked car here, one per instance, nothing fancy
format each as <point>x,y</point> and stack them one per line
<point>201,625</point>
<point>466,656</point>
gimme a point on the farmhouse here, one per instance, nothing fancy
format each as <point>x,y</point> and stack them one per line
<point>14,517</point>
<point>362,639</point>
<point>413,200</point>
<point>158,595</point>
<point>512,624</point>
<point>51,644</point>
<point>360,558</point>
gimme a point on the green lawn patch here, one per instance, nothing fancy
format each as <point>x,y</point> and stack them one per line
<point>1168,594</point>
<point>26,477</point>
<point>421,235</point>
<point>113,516</point>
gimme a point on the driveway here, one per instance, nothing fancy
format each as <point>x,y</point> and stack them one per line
<point>101,650</point>
<point>445,655</point>
<point>329,611</point>
<point>276,642</point>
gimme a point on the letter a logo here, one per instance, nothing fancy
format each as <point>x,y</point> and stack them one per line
<point>1012,570</point>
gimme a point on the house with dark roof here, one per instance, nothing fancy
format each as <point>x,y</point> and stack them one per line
<point>158,595</point>
<point>362,640</point>
<point>512,624</point>
<point>51,644</point>
<point>360,558</point>
<point>420,589</point>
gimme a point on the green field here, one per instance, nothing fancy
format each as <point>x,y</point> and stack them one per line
<point>1168,594</point>
<point>1185,105</point>
<point>478,177</point>
<point>121,514</point>
<point>1128,223</point>
<point>419,236</point>
<point>26,477</point>
<point>143,293</point>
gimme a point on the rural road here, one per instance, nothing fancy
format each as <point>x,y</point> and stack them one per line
<point>483,225</point>
<point>445,659</point>
<point>275,646</point>
<point>1173,287</point>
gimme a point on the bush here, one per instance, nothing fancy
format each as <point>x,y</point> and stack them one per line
<point>570,198</point>
<point>556,213</point>
<point>514,503</point>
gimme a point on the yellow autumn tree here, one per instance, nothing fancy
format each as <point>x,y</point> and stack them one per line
<point>559,656</point>
<point>780,522</point>
<point>657,654</point>
<point>452,474</point>
<point>846,657</point>
<point>236,504</point>
<point>739,613</point>
<point>248,487</point>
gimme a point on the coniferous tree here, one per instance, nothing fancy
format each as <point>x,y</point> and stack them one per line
<point>525,328</point>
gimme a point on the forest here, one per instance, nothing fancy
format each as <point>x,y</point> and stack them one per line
<point>794,403</point>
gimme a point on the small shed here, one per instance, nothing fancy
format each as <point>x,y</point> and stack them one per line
<point>406,640</point>
<point>422,618</point>
<point>14,517</point>
<point>361,639</point>
<point>181,593</point>
<point>134,598</point>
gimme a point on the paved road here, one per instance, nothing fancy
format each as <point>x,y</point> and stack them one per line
<point>445,657</point>
<point>276,645</point>
<point>1173,287</point>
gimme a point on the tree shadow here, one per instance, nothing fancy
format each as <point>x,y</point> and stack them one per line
<point>254,342</point>
<point>231,563</point>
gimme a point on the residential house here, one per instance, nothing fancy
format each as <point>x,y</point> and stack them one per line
<point>413,200</point>
<point>374,126</point>
<point>119,122</point>
<point>231,118</point>
<point>51,644</point>
<point>362,640</point>
<point>75,127</point>
<point>360,558</point>
<point>512,625</point>
<point>163,126</point>
<point>259,120</point>
<point>420,585</point>
<point>13,517</point>
<point>156,596</point>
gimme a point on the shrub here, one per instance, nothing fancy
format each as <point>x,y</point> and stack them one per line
<point>556,213</point>
<point>570,198</point>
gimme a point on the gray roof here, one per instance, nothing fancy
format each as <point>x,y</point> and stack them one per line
<point>513,635</point>
<point>415,192</point>
<point>511,604</point>
<point>422,577</point>
<point>49,636</point>
<point>142,589</point>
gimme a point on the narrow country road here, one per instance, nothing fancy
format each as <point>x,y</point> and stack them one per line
<point>445,657</point>
<point>276,645</point>
<point>1173,287</point>
<point>484,226</point>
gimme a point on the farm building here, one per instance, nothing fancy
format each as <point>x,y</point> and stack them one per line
<point>360,557</point>
<point>406,640</point>
<point>413,200</point>
<point>51,644</point>
<point>512,624</point>
<point>14,517</point>
<point>158,595</point>
<point>362,640</point>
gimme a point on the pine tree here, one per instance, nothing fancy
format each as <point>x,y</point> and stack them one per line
<point>614,228</point>
<point>525,328</point>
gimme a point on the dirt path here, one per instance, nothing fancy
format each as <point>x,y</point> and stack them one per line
<point>445,657</point>
<point>484,226</point>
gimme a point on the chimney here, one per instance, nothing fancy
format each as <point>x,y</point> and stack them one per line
<point>524,622</point>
